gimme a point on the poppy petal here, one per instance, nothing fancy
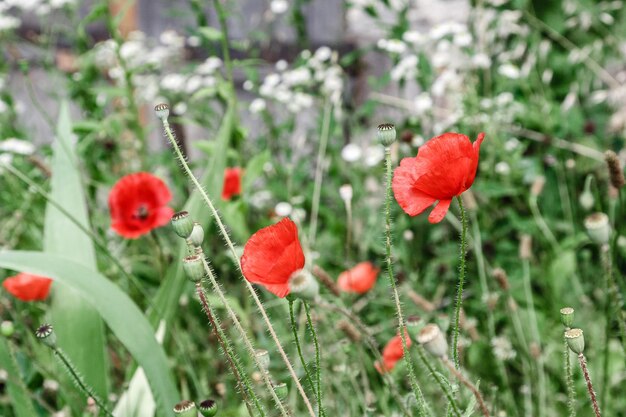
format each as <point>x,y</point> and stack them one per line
<point>28,287</point>
<point>412,200</point>
<point>439,212</point>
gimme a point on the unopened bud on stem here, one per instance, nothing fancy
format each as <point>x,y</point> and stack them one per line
<point>208,408</point>
<point>194,268</point>
<point>182,224</point>
<point>433,340</point>
<point>575,340</point>
<point>567,316</point>
<point>45,333</point>
<point>386,134</point>
<point>162,111</point>
<point>186,409</point>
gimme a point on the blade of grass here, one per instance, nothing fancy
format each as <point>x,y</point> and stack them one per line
<point>120,313</point>
<point>22,405</point>
<point>79,328</point>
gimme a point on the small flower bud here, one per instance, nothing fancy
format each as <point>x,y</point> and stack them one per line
<point>194,268</point>
<point>598,227</point>
<point>414,324</point>
<point>433,340</point>
<point>575,340</point>
<point>345,192</point>
<point>567,316</point>
<point>303,285</point>
<point>263,357</point>
<point>586,200</point>
<point>186,408</point>
<point>386,134</point>
<point>182,224</point>
<point>281,390</point>
<point>616,174</point>
<point>7,328</point>
<point>197,235</point>
<point>45,333</point>
<point>162,111</point>
<point>208,408</point>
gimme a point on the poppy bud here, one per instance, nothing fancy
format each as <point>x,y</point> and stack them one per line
<point>598,227</point>
<point>186,408</point>
<point>567,316</point>
<point>197,235</point>
<point>414,324</point>
<point>433,340</point>
<point>386,134</point>
<point>263,357</point>
<point>194,268</point>
<point>575,340</point>
<point>586,200</point>
<point>182,224</point>
<point>162,111</point>
<point>345,192</point>
<point>281,390</point>
<point>7,329</point>
<point>208,408</point>
<point>303,285</point>
<point>45,333</point>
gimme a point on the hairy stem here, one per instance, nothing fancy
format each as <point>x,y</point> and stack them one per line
<point>454,408</point>
<point>392,282</point>
<point>569,381</point>
<point>318,369</point>
<point>231,247</point>
<point>592,393</point>
<point>459,294</point>
<point>458,375</point>
<point>296,338</point>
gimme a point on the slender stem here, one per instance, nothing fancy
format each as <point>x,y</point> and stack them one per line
<point>231,247</point>
<point>319,171</point>
<point>82,385</point>
<point>454,408</point>
<point>221,17</point>
<point>242,379</point>
<point>569,380</point>
<point>244,336</point>
<point>459,294</point>
<point>296,338</point>
<point>541,223</point>
<point>469,385</point>
<point>392,282</point>
<point>318,368</point>
<point>592,394</point>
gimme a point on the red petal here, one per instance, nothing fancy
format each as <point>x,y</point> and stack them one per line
<point>28,287</point>
<point>359,279</point>
<point>440,211</point>
<point>412,200</point>
<point>271,255</point>
<point>232,183</point>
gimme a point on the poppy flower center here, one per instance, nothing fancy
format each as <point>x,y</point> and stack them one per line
<point>141,212</point>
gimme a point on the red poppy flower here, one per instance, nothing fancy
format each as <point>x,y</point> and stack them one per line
<point>28,287</point>
<point>444,168</point>
<point>272,255</point>
<point>392,353</point>
<point>137,204</point>
<point>232,183</point>
<point>359,279</point>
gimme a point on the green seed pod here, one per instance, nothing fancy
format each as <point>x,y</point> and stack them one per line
<point>281,390</point>
<point>162,111</point>
<point>7,328</point>
<point>567,316</point>
<point>182,224</point>
<point>386,134</point>
<point>575,340</point>
<point>433,340</point>
<point>303,285</point>
<point>46,334</point>
<point>186,408</point>
<point>194,268</point>
<point>414,324</point>
<point>197,235</point>
<point>263,357</point>
<point>208,408</point>
<point>598,227</point>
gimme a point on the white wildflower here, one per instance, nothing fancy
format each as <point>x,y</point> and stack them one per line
<point>17,146</point>
<point>257,105</point>
<point>279,6</point>
<point>351,152</point>
<point>283,209</point>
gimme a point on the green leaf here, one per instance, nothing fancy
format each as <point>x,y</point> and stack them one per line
<point>22,405</point>
<point>254,169</point>
<point>79,328</point>
<point>122,316</point>
<point>211,34</point>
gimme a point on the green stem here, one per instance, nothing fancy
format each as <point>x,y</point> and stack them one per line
<point>242,379</point>
<point>221,17</point>
<point>569,380</point>
<point>454,408</point>
<point>296,338</point>
<point>459,294</point>
<point>231,247</point>
<point>319,171</point>
<point>318,372</point>
<point>82,385</point>
<point>392,282</point>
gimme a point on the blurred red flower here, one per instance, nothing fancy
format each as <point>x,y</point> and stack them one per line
<point>272,255</point>
<point>232,183</point>
<point>444,168</point>
<point>392,353</point>
<point>137,204</point>
<point>359,279</point>
<point>28,287</point>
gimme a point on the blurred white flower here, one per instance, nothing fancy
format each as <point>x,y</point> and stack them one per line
<point>462,39</point>
<point>281,65</point>
<point>248,85</point>
<point>257,105</point>
<point>172,38</point>
<point>417,141</point>
<point>283,209</point>
<point>511,144</point>
<point>351,152</point>
<point>408,235</point>
<point>502,168</point>
<point>209,66</point>
<point>374,155</point>
<point>481,60</point>
<point>194,41</point>
<point>279,6</point>
<point>17,146</point>
<point>502,348</point>
<point>392,45</point>
<point>509,71</point>
<point>5,159</point>
<point>173,82</point>
<point>8,23</point>
<point>423,103</point>
<point>406,68</point>
<point>180,108</point>
<point>345,192</point>
<point>3,107</point>
<point>413,37</point>
<point>323,53</point>
<point>298,215</point>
